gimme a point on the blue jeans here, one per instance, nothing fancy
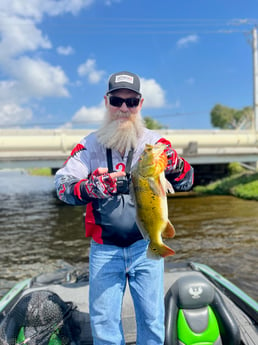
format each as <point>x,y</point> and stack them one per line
<point>110,268</point>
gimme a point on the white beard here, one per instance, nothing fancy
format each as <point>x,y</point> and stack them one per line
<point>120,134</point>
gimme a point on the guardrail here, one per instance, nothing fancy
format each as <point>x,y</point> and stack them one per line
<point>38,147</point>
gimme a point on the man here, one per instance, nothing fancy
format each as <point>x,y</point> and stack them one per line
<point>97,174</point>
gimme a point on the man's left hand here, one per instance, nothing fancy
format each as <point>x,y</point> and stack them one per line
<point>172,160</point>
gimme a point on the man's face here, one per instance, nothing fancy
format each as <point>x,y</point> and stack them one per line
<point>123,124</point>
<point>117,110</point>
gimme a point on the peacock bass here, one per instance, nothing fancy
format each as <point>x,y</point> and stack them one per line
<point>149,189</point>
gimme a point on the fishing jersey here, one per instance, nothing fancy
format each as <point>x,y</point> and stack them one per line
<point>110,220</point>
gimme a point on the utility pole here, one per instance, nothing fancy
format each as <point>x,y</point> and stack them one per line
<point>255,80</point>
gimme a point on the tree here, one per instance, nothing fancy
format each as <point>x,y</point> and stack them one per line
<point>229,118</point>
<point>152,124</point>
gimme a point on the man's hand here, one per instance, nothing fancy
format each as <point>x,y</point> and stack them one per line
<point>173,164</point>
<point>102,184</point>
<point>172,160</point>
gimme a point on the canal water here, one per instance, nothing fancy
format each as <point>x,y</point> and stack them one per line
<point>39,234</point>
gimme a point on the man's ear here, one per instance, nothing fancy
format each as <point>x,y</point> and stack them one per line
<point>106,100</point>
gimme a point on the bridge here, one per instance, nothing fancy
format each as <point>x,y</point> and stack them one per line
<point>50,148</point>
<point>26,148</point>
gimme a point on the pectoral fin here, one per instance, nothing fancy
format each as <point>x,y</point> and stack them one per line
<point>169,231</point>
<point>169,187</point>
<point>157,187</point>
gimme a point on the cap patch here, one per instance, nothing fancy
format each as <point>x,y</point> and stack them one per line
<point>124,78</point>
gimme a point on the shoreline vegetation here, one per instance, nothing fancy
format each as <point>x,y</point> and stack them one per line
<point>240,182</point>
<point>39,171</point>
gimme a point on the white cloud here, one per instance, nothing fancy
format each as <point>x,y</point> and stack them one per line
<point>9,91</point>
<point>12,109</point>
<point>28,77</point>
<point>90,115</point>
<point>89,70</point>
<point>111,2</point>
<point>35,9</point>
<point>185,41</point>
<point>15,95</point>
<point>39,79</point>
<point>12,114</point>
<point>153,94</point>
<point>65,50</point>
<point>54,8</point>
<point>19,35</point>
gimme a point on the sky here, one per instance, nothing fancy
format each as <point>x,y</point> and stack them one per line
<point>56,57</point>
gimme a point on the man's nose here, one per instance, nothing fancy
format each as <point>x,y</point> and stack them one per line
<point>124,107</point>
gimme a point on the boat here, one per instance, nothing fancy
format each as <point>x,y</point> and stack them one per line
<point>201,307</point>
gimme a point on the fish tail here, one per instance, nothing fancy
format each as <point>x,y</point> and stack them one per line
<point>156,250</point>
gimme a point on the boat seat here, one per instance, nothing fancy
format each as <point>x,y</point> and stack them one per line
<point>197,315</point>
<point>39,317</point>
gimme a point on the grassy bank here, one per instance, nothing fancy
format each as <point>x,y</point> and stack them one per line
<point>40,171</point>
<point>241,183</point>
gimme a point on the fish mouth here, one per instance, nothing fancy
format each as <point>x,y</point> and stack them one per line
<point>153,160</point>
<point>153,167</point>
<point>156,149</point>
<point>156,153</point>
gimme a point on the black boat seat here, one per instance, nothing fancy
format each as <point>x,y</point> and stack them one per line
<point>196,314</point>
<point>39,317</point>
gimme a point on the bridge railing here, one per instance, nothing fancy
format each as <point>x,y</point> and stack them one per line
<point>198,146</point>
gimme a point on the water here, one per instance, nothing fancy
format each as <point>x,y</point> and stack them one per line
<point>38,233</point>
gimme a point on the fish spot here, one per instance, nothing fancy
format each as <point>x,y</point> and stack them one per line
<point>153,248</point>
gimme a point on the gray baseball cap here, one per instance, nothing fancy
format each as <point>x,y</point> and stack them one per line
<point>124,80</point>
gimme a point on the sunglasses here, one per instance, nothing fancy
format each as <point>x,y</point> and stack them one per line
<point>118,101</point>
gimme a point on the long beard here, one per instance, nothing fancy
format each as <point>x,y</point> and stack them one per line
<point>120,134</point>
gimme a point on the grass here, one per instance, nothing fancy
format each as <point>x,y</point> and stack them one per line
<point>40,171</point>
<point>241,183</point>
<point>248,190</point>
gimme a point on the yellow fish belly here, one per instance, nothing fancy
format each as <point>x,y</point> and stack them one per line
<point>152,212</point>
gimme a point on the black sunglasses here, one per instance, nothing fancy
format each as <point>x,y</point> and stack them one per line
<point>118,101</point>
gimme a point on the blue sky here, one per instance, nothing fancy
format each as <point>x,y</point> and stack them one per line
<point>56,57</point>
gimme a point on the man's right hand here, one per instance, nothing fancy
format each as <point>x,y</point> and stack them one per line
<point>102,184</point>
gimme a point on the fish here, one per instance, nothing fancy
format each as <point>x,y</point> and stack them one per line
<point>149,191</point>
